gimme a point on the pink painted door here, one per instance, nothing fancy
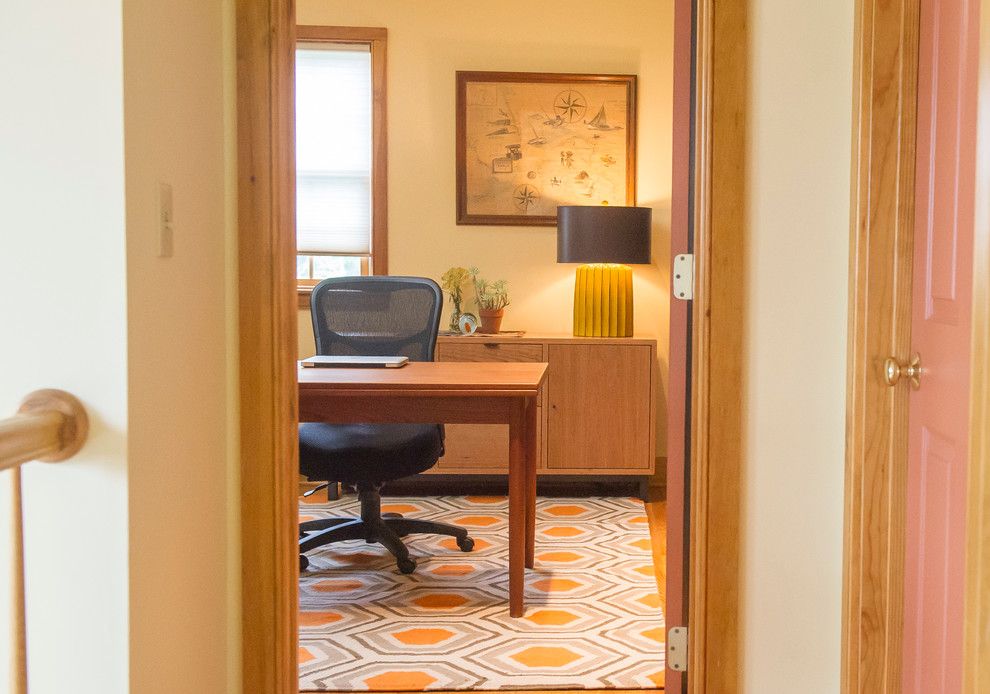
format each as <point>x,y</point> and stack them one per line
<point>678,380</point>
<point>942,311</point>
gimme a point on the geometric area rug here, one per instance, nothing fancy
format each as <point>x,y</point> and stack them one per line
<point>593,617</point>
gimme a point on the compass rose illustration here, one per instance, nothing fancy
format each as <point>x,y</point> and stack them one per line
<point>525,196</point>
<point>570,105</point>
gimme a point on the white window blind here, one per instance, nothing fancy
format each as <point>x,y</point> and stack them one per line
<point>333,149</point>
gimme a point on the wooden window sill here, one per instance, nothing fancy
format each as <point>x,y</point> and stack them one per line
<point>303,293</point>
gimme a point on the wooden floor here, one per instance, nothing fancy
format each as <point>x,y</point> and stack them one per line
<point>524,691</point>
<point>656,513</point>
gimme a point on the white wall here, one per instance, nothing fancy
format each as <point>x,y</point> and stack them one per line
<point>800,115</point>
<point>63,308</point>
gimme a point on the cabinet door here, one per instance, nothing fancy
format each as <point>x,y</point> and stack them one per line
<point>600,398</point>
<point>483,448</point>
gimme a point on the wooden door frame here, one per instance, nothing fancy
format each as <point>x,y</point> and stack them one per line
<point>718,319</point>
<point>268,332</point>
<point>268,317</point>
<point>976,635</point>
<point>880,269</point>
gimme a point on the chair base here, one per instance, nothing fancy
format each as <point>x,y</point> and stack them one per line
<point>373,526</point>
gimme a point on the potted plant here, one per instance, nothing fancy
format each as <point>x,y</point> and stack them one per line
<point>453,282</point>
<point>492,298</point>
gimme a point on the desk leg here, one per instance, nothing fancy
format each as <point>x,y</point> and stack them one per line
<point>531,463</point>
<point>518,507</point>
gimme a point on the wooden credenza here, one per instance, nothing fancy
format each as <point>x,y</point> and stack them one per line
<point>597,408</point>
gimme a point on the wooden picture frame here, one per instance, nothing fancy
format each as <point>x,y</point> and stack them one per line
<point>530,141</point>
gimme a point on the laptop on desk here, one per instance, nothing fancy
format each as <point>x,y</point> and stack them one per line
<point>321,361</point>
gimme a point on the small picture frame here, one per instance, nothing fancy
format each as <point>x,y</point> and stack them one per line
<point>530,141</point>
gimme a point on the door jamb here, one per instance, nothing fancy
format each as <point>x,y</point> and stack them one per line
<point>714,663</point>
<point>265,45</point>
<point>976,636</point>
<point>880,267</point>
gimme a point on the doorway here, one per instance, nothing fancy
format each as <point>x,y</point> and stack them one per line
<point>265,39</point>
<point>424,242</point>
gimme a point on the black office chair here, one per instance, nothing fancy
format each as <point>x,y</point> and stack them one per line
<point>373,316</point>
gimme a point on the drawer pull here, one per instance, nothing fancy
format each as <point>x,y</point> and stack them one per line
<point>491,345</point>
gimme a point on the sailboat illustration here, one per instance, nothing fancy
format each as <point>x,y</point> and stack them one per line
<point>537,138</point>
<point>599,122</point>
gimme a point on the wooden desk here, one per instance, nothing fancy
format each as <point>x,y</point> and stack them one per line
<point>449,393</point>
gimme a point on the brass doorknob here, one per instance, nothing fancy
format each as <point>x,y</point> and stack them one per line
<point>892,371</point>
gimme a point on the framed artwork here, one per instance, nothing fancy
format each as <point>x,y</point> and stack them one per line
<point>530,141</point>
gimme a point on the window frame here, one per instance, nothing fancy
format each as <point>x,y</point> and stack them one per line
<point>376,39</point>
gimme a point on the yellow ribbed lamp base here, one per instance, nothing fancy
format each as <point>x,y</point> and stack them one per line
<point>603,301</point>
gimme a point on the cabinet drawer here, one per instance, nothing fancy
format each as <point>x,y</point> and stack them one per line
<point>478,350</point>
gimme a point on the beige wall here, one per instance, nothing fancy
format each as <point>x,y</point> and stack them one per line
<point>178,98</point>
<point>63,302</point>
<point>428,41</point>
<point>797,254</point>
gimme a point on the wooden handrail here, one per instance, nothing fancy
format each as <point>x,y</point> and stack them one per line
<point>50,425</point>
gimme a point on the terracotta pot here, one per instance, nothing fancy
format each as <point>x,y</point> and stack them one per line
<point>491,321</point>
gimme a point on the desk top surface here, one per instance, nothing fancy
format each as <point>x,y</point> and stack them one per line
<point>491,377</point>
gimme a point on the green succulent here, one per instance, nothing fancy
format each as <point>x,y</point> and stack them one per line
<point>491,296</point>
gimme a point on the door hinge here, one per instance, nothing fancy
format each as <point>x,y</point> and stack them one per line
<point>683,276</point>
<point>677,649</point>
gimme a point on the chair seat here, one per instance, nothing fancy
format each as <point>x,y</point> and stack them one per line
<point>370,453</point>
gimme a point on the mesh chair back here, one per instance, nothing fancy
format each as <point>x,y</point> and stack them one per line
<point>377,316</point>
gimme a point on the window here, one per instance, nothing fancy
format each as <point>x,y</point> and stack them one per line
<point>340,154</point>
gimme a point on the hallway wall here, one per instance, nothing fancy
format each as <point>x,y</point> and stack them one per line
<point>181,341</point>
<point>798,196</point>
<point>131,561</point>
<point>63,304</point>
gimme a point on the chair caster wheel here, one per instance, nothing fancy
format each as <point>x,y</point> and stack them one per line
<point>303,562</point>
<point>407,565</point>
<point>466,544</point>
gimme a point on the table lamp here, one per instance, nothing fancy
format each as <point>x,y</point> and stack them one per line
<point>606,240</point>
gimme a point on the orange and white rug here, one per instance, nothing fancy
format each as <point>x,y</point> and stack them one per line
<point>593,617</point>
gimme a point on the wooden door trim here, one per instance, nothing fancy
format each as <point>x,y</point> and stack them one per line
<point>976,634</point>
<point>265,45</point>
<point>717,339</point>
<point>880,271</point>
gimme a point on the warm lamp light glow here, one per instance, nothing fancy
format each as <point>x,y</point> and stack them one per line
<point>603,305</point>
